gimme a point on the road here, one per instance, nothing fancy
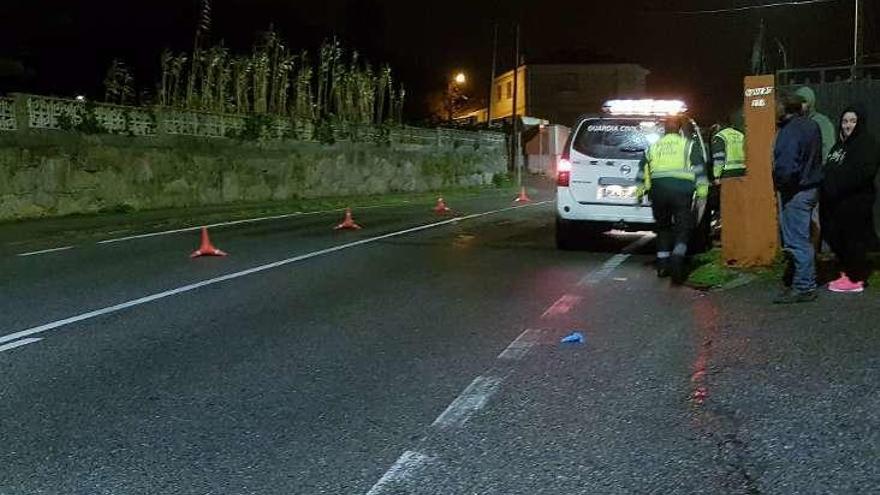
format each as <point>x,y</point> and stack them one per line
<point>421,355</point>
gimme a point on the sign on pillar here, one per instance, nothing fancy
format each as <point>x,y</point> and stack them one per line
<point>750,232</point>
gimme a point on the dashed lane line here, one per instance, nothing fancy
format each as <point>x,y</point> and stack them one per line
<point>406,466</point>
<point>615,261</point>
<point>520,346</point>
<point>18,343</point>
<point>46,251</point>
<point>478,393</point>
<point>231,276</point>
<point>198,227</point>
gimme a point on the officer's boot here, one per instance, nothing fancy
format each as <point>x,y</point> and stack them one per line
<point>662,267</point>
<point>678,269</point>
<point>678,263</point>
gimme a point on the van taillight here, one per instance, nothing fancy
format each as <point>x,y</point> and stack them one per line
<point>563,172</point>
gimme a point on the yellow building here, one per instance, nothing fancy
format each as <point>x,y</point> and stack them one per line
<point>559,93</point>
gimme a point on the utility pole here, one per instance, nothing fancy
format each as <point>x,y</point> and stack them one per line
<point>514,138</point>
<point>492,78</point>
<point>858,28</point>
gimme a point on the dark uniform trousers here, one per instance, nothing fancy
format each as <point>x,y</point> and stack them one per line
<point>671,202</point>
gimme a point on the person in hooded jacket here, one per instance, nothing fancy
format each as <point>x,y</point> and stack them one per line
<point>847,198</point>
<point>824,123</point>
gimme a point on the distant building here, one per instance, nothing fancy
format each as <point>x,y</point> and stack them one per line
<point>558,93</point>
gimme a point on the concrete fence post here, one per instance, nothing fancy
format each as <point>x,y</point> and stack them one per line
<point>21,112</point>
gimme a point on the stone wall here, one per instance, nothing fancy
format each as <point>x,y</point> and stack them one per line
<point>48,173</point>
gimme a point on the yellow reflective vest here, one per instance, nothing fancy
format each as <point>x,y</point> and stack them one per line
<point>734,162</point>
<point>670,157</point>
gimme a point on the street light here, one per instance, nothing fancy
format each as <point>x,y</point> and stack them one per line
<point>454,93</point>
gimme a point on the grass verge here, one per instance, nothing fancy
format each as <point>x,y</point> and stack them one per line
<point>710,272</point>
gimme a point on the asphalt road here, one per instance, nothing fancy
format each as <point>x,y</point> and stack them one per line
<point>393,361</point>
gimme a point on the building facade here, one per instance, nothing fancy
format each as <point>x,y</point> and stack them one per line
<point>559,93</point>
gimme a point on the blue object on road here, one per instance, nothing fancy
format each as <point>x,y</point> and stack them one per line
<point>573,338</point>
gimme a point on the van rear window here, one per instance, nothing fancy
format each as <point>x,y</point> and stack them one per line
<point>617,138</point>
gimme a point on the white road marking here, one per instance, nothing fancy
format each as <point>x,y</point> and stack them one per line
<point>521,346</point>
<point>615,261</point>
<point>218,224</point>
<point>563,305</point>
<point>482,388</point>
<point>44,251</point>
<point>471,400</point>
<point>234,222</point>
<point>406,466</point>
<point>18,343</point>
<point>231,276</point>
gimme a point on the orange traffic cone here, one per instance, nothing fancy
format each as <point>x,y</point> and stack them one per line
<point>441,208</point>
<point>523,197</point>
<point>348,222</point>
<point>206,249</point>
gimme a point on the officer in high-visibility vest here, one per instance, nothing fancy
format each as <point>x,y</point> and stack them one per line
<point>728,155</point>
<point>673,174</point>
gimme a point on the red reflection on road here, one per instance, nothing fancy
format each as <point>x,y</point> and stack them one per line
<point>706,326</point>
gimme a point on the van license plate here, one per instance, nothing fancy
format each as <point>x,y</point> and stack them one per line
<point>616,192</point>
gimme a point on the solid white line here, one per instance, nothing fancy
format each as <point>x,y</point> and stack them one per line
<point>234,222</point>
<point>18,343</point>
<point>186,288</point>
<point>400,472</point>
<point>474,397</point>
<point>521,346</point>
<point>44,251</point>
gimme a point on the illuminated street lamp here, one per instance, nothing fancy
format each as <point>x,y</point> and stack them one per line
<point>455,94</point>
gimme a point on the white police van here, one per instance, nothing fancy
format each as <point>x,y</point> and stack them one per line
<point>596,175</point>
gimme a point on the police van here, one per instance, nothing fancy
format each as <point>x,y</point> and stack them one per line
<point>596,189</point>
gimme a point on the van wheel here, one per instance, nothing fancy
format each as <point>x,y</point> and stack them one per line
<point>565,234</point>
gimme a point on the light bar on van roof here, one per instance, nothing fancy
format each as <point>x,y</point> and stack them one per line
<point>644,107</point>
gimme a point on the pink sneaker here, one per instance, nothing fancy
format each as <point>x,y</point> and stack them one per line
<point>844,284</point>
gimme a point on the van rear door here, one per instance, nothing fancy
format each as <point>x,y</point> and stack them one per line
<point>605,155</point>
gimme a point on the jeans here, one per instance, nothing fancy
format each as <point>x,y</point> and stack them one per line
<point>796,213</point>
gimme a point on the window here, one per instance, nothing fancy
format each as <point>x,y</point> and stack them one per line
<point>616,138</point>
<point>509,90</point>
<point>498,92</point>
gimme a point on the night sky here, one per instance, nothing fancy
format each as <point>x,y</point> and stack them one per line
<point>64,47</point>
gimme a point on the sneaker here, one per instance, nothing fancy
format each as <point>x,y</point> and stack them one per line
<point>844,284</point>
<point>795,296</point>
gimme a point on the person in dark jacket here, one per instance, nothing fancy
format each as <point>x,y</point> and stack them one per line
<point>877,205</point>
<point>797,174</point>
<point>847,197</point>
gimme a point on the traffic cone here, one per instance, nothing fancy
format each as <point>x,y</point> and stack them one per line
<point>206,249</point>
<point>348,222</point>
<point>441,208</point>
<point>523,197</point>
